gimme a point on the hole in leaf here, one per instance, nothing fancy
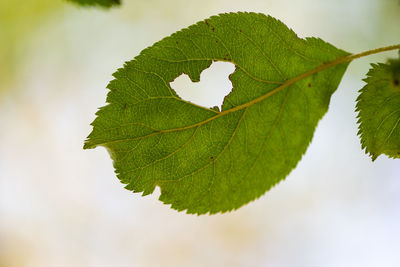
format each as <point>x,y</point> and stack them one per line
<point>214,85</point>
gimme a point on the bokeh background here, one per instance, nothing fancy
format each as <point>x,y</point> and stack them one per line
<point>63,206</point>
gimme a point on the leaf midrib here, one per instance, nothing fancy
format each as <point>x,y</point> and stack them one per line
<point>286,84</point>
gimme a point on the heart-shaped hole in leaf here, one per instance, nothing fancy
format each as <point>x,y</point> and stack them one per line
<point>214,85</point>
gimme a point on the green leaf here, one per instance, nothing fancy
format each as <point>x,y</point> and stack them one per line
<point>103,3</point>
<point>378,107</point>
<point>204,160</point>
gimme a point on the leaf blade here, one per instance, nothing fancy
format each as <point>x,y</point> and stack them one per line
<point>101,3</point>
<point>378,107</point>
<point>202,160</point>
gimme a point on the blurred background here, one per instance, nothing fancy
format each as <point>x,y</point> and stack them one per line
<point>63,206</point>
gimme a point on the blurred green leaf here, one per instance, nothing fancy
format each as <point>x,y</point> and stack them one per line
<point>18,23</point>
<point>205,160</point>
<point>103,3</point>
<point>378,107</point>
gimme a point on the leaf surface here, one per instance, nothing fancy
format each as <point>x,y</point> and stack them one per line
<point>378,107</point>
<point>102,3</point>
<point>205,160</point>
